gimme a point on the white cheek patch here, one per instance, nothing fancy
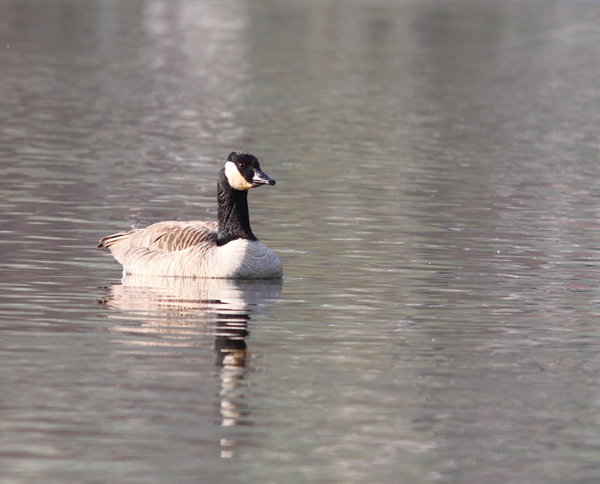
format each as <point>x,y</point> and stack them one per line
<point>235,179</point>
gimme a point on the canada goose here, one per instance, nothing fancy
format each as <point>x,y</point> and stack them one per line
<point>227,249</point>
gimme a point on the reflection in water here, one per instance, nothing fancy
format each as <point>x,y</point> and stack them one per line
<point>177,309</point>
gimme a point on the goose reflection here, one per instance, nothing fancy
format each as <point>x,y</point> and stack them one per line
<point>179,309</point>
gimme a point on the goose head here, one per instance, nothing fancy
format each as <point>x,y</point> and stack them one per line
<point>242,172</point>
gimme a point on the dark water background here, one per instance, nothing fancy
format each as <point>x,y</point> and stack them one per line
<point>436,212</point>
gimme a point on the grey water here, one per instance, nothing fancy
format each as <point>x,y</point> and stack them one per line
<point>436,212</point>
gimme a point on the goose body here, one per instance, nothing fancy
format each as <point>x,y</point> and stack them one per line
<point>227,249</point>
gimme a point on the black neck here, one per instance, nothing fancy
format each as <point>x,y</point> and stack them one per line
<point>233,217</point>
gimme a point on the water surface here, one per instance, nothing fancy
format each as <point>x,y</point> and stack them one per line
<point>436,213</point>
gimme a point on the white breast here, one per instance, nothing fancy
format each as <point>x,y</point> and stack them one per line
<point>243,259</point>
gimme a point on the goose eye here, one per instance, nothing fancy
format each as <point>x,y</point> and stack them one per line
<point>241,165</point>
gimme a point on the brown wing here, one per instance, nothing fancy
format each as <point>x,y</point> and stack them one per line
<point>164,236</point>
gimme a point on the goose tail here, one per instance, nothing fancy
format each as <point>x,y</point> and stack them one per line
<point>111,240</point>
